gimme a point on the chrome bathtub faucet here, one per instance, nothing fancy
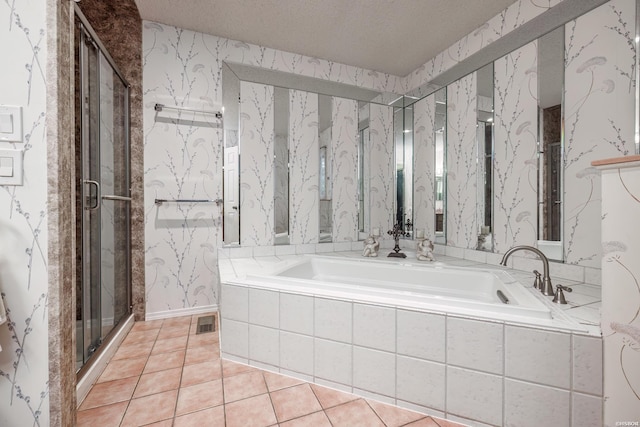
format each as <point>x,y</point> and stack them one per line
<point>546,287</point>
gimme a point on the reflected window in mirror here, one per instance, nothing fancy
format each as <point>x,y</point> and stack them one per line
<point>550,168</point>
<point>324,181</point>
<point>281,160</point>
<point>484,138</point>
<point>440,138</point>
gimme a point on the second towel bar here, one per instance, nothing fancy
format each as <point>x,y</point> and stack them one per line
<point>161,201</point>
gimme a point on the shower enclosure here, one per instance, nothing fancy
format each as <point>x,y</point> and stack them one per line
<point>103,202</point>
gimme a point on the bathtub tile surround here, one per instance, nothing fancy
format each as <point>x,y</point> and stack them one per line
<point>421,335</point>
<point>586,360</point>
<point>383,336</point>
<point>475,395</point>
<point>475,345</point>
<point>620,290</point>
<point>532,405</point>
<point>539,356</point>
<point>476,371</point>
<point>413,374</point>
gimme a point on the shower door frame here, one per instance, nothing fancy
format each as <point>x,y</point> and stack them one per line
<point>92,199</point>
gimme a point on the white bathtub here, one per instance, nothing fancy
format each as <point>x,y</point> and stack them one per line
<point>413,285</point>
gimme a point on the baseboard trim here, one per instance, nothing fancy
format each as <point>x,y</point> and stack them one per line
<point>179,312</point>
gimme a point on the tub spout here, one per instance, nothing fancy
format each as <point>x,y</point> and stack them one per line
<point>547,287</point>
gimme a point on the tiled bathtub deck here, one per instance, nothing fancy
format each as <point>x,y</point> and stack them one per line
<point>165,375</point>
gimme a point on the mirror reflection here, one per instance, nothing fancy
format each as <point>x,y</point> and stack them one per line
<point>484,139</point>
<point>281,157</point>
<point>403,136</point>
<point>363,170</point>
<point>550,90</point>
<point>325,167</point>
<point>440,138</point>
<point>231,177</point>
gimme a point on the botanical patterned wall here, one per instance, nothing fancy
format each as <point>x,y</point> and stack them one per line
<point>381,168</point>
<point>424,119</point>
<point>257,138</point>
<point>515,150</point>
<point>344,169</point>
<point>24,365</point>
<point>462,230</point>
<point>183,152</point>
<point>304,212</point>
<point>183,155</point>
<point>621,293</point>
<point>599,105</point>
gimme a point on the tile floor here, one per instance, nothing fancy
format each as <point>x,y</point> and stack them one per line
<point>165,375</point>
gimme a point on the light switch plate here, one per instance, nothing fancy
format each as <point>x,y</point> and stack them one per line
<point>11,123</point>
<point>10,164</point>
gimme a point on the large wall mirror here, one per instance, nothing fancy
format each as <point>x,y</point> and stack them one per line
<point>372,198</point>
<point>550,118</point>
<point>281,156</point>
<point>364,218</point>
<point>484,139</point>
<point>325,164</point>
<point>231,159</point>
<point>440,142</point>
<point>286,126</point>
<point>403,141</point>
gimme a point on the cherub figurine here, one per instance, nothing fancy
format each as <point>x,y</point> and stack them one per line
<point>371,246</point>
<point>424,250</point>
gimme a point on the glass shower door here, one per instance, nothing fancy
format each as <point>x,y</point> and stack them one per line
<point>105,199</point>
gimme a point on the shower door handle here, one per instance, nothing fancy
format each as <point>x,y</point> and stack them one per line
<point>97,186</point>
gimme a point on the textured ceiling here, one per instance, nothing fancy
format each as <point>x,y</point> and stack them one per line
<point>390,36</point>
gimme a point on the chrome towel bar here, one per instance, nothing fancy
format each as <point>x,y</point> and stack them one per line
<point>216,201</point>
<point>160,107</point>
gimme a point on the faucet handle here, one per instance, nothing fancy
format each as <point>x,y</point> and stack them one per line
<point>559,296</point>
<point>537,283</point>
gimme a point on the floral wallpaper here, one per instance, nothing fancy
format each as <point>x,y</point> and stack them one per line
<point>381,168</point>
<point>599,105</point>
<point>257,138</point>
<point>183,155</point>
<point>424,151</point>
<point>621,294</point>
<point>24,366</point>
<point>304,216</point>
<point>182,152</point>
<point>461,159</point>
<point>515,150</point>
<point>344,169</point>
